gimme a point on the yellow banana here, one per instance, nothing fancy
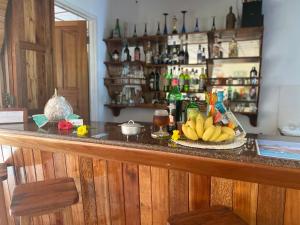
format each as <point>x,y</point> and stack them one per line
<point>199,127</point>
<point>222,137</point>
<point>208,122</point>
<point>216,134</point>
<point>200,117</point>
<point>229,131</point>
<point>208,133</point>
<point>189,132</point>
<point>191,123</point>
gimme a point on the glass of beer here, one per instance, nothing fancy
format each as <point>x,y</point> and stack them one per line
<point>161,120</point>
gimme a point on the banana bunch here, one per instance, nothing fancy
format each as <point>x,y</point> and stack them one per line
<point>204,128</point>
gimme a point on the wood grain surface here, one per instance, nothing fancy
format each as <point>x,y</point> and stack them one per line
<point>121,193</point>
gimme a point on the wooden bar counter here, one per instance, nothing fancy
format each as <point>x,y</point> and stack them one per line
<point>143,181</point>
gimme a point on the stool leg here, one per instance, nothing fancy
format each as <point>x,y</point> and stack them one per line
<point>67,216</point>
<point>3,213</point>
<point>24,220</point>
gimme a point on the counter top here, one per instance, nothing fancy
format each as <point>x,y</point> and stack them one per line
<point>114,137</point>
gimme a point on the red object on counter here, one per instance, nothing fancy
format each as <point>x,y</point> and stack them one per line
<point>64,125</point>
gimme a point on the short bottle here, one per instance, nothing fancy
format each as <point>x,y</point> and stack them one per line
<point>192,110</point>
<point>253,76</point>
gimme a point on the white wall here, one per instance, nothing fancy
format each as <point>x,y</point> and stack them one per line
<point>281,62</point>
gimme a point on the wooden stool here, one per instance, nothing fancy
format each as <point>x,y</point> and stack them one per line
<point>217,215</point>
<point>35,199</point>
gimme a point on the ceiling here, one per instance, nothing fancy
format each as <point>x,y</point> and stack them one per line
<point>63,15</point>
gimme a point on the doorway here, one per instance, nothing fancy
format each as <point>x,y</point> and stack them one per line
<point>75,56</point>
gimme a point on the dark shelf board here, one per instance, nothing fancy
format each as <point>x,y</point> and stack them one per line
<point>233,85</point>
<point>256,59</point>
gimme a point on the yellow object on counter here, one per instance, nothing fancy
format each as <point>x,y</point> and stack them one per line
<point>176,135</point>
<point>82,130</point>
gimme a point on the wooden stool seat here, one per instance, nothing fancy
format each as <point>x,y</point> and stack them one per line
<point>43,197</point>
<point>3,172</point>
<point>211,216</point>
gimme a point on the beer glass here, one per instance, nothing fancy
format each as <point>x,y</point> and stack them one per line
<point>161,120</point>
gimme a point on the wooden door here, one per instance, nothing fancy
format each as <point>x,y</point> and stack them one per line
<point>28,50</point>
<point>72,77</point>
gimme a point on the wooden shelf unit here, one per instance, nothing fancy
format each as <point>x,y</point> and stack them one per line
<point>241,34</point>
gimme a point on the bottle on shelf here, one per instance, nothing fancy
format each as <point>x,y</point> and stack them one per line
<point>174,54</point>
<point>233,48</point>
<point>203,55</point>
<point>152,81</point>
<point>137,53</point>
<point>181,55</point>
<point>168,77</point>
<point>164,58</point>
<point>145,31</point>
<point>197,78</point>
<point>193,83</point>
<point>174,104</point>
<point>134,32</point>
<point>187,81</point>
<point>197,26</point>
<point>156,57</point>
<point>229,93</point>
<point>217,52</point>
<point>253,76</point>
<point>186,55</point>
<point>126,57</point>
<point>149,54</point>
<point>181,80</point>
<point>117,30</point>
<point>157,81</point>
<point>199,55</point>
<point>202,80</point>
<point>175,77</point>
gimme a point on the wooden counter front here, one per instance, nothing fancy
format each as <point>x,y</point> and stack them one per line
<point>121,185</point>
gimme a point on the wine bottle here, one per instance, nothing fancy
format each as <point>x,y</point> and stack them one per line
<point>137,53</point>
<point>181,55</point>
<point>186,55</point>
<point>117,30</point>
<point>181,80</point>
<point>127,56</point>
<point>152,81</point>
<point>199,55</point>
<point>174,54</point>
<point>202,81</point>
<point>203,55</point>
<point>149,53</point>
<point>157,81</point>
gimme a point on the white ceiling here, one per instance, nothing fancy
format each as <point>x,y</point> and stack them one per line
<point>63,15</point>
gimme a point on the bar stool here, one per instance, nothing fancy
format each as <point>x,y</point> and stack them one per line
<point>45,197</point>
<point>216,215</point>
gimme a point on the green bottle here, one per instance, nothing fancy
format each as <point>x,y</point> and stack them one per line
<point>192,110</point>
<point>181,80</point>
<point>174,105</point>
<point>117,30</point>
<point>187,79</point>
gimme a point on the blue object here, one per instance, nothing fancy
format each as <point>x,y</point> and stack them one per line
<point>219,104</point>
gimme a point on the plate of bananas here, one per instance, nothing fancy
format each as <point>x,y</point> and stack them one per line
<point>201,132</point>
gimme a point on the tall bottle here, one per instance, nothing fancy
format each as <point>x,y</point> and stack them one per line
<point>253,76</point>
<point>156,57</point>
<point>187,81</point>
<point>202,81</point>
<point>157,81</point>
<point>186,55</point>
<point>152,81</point>
<point>127,56</point>
<point>174,54</point>
<point>174,105</point>
<point>149,54</point>
<point>181,80</point>
<point>199,55</point>
<point>117,30</point>
<point>137,53</point>
<point>233,48</point>
<point>181,55</point>
<point>175,77</point>
<point>203,55</point>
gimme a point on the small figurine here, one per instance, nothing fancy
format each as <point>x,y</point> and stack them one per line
<point>230,19</point>
<point>174,25</point>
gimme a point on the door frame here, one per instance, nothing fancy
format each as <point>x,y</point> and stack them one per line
<point>92,54</point>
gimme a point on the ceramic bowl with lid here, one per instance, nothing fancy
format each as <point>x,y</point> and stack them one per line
<point>131,128</point>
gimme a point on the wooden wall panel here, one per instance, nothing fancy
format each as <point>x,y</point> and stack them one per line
<point>102,194</point>
<point>270,206</point>
<point>199,191</point>
<point>160,195</point>
<point>292,207</point>
<point>116,193</point>
<point>145,195</point>
<point>245,200</point>
<point>179,192</point>
<point>131,194</point>
<point>221,191</point>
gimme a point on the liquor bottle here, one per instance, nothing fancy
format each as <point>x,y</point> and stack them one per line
<point>152,81</point>
<point>202,81</point>
<point>253,76</point>
<point>181,55</point>
<point>157,81</point>
<point>193,81</point>
<point>117,30</point>
<point>174,102</point>
<point>156,57</point>
<point>197,78</point>
<point>186,55</point>
<point>181,80</point>
<point>145,31</point>
<point>164,59</point>
<point>134,32</point>
<point>149,53</point>
<point>197,26</point>
<point>187,80</point>
<point>137,53</point>
<point>174,54</point>
<point>199,55</point>
<point>233,48</point>
<point>203,55</point>
<point>127,56</point>
<point>175,77</point>
<point>229,93</point>
<point>169,77</point>
<point>192,110</point>
<point>158,29</point>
